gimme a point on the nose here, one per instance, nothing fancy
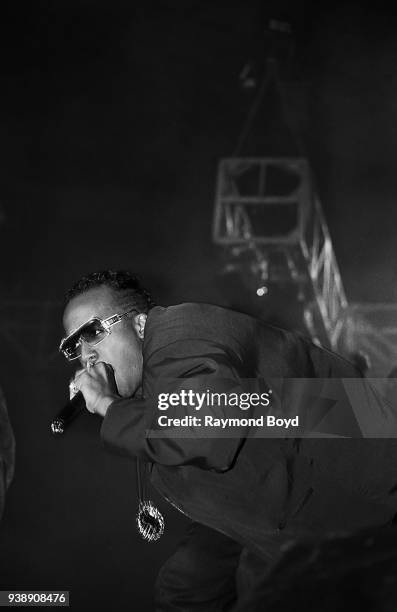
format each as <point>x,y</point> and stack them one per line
<point>88,353</point>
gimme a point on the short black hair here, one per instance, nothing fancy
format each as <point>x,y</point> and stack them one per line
<point>121,282</point>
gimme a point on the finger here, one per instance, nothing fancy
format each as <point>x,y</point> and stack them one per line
<point>79,380</point>
<point>90,364</point>
<point>73,390</point>
<point>77,374</point>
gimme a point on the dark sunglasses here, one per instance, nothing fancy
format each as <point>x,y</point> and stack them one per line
<point>92,332</point>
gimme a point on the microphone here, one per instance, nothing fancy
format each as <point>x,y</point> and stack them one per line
<point>64,418</point>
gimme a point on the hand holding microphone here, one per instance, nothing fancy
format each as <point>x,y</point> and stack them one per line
<point>98,386</point>
<point>93,388</point>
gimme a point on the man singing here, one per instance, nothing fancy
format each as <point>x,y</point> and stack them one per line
<point>248,497</point>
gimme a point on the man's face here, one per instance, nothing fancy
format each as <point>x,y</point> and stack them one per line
<point>122,348</point>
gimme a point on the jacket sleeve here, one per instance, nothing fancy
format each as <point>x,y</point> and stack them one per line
<point>130,426</point>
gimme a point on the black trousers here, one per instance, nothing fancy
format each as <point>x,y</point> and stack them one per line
<point>208,572</point>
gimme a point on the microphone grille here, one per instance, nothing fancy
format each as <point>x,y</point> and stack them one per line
<point>57,426</point>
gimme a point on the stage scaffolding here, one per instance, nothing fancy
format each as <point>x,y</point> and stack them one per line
<point>372,329</point>
<point>267,208</point>
<point>271,225</point>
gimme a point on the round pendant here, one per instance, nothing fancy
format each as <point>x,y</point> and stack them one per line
<point>150,521</point>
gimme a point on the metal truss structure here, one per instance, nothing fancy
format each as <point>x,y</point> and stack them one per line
<point>371,329</point>
<point>267,213</point>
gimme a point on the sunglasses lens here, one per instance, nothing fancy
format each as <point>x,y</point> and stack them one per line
<point>71,348</point>
<point>93,332</point>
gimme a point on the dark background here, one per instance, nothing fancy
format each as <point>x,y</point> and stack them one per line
<point>113,117</point>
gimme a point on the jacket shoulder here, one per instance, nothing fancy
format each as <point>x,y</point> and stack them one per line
<point>198,323</point>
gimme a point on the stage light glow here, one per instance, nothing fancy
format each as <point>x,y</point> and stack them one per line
<point>261,291</point>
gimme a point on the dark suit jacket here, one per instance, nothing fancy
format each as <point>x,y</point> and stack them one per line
<point>259,492</point>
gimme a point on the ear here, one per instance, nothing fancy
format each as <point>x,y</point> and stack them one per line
<point>139,324</point>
